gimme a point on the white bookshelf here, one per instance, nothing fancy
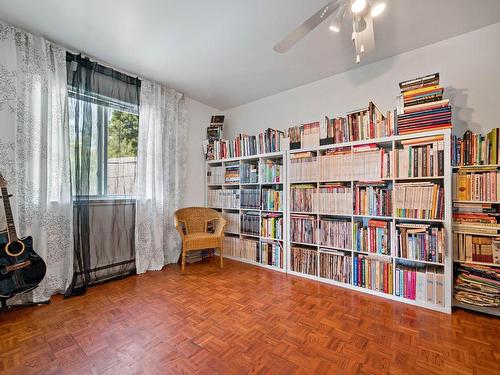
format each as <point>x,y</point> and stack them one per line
<point>389,143</point>
<point>259,185</point>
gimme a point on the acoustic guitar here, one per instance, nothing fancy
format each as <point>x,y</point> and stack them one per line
<point>21,268</point>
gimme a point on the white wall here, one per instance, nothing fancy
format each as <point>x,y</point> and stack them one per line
<point>469,67</point>
<point>198,119</point>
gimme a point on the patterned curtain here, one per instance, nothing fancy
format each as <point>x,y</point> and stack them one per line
<point>160,175</point>
<point>34,150</point>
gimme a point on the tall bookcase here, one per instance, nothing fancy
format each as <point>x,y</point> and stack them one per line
<point>475,232</point>
<point>241,180</point>
<point>338,262</point>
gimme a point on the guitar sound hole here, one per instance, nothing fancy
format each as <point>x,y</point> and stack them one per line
<point>14,248</point>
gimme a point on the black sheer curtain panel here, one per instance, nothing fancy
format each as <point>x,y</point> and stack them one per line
<point>104,122</point>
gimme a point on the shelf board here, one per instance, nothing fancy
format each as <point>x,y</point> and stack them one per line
<point>478,202</point>
<point>271,183</point>
<point>249,235</point>
<point>421,261</point>
<point>485,310</point>
<point>303,243</point>
<point>420,220</point>
<point>234,233</point>
<point>333,248</point>
<point>271,239</point>
<point>476,233</point>
<point>334,214</point>
<point>255,263</point>
<point>373,217</point>
<point>376,254</point>
<point>419,178</point>
<point>476,263</point>
<point>476,166</point>
<point>272,211</point>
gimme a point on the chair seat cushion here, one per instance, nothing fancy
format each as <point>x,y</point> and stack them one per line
<point>201,240</point>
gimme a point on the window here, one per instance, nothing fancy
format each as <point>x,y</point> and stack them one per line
<point>113,145</point>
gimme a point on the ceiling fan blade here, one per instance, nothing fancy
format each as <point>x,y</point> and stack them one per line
<point>310,24</point>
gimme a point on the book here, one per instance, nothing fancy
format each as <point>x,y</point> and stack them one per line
<point>423,242</point>
<point>421,157</point>
<point>272,226</point>
<point>419,200</point>
<point>271,253</point>
<point>335,265</point>
<point>304,260</point>
<point>372,198</point>
<point>475,149</point>
<point>372,237</point>
<point>477,285</point>
<point>303,229</point>
<point>334,198</point>
<point>373,273</point>
<point>241,248</point>
<point>335,233</point>
<point>303,198</point>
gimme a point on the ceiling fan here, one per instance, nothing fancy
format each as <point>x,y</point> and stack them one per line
<point>363,12</point>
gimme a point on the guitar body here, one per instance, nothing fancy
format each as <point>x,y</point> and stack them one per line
<point>19,273</point>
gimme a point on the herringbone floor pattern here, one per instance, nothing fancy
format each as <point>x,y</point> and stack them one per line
<point>241,320</point>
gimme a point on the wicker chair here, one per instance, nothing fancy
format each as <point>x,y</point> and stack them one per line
<point>192,224</point>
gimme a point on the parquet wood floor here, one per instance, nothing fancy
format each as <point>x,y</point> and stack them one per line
<point>240,320</point>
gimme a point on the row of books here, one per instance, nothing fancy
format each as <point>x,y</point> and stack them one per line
<point>472,248</point>
<point>304,260</point>
<point>421,106</point>
<point>241,248</point>
<point>271,254</point>
<point>250,223</point>
<point>216,175</point>
<point>419,200</point>
<point>482,184</point>
<point>232,174</point>
<point>336,164</point>
<point>335,265</point>
<point>369,123</point>
<point>373,237</point>
<point>250,198</point>
<point>335,233</point>
<point>272,199</point>
<point>246,145</point>
<point>272,171</point>
<point>373,273</point>
<point>249,172</point>
<point>420,283</point>
<point>272,226</point>
<point>477,285</point>
<point>303,229</point>
<point>229,198</point>
<point>371,162</point>
<point>233,222</point>
<point>373,199</point>
<point>476,149</point>
<point>420,242</point>
<point>366,162</point>
<point>303,198</point>
<point>421,157</point>
<point>334,199</point>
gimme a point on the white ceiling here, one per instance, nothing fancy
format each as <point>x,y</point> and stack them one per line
<point>220,52</point>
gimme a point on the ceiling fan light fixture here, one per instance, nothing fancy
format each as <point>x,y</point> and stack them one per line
<point>358,6</point>
<point>377,8</point>
<point>338,18</point>
<point>334,27</point>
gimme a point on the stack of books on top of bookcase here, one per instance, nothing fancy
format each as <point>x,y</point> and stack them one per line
<point>422,107</point>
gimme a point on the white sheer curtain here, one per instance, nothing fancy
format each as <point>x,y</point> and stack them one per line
<point>34,150</point>
<point>161,172</point>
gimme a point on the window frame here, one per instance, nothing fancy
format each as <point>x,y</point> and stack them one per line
<point>104,107</point>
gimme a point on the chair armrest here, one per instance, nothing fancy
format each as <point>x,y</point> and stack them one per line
<point>178,227</point>
<point>221,224</point>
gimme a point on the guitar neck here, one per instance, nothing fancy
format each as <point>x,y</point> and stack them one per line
<point>11,228</point>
